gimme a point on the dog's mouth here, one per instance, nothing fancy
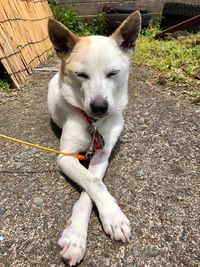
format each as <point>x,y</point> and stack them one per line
<point>95,117</point>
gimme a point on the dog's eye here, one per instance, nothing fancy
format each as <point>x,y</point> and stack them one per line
<point>82,75</point>
<point>112,73</point>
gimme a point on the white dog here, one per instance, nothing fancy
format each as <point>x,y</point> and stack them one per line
<point>86,99</point>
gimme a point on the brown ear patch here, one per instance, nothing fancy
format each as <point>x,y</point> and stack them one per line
<point>128,32</point>
<point>61,37</point>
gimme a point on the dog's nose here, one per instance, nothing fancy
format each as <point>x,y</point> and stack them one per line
<point>99,106</point>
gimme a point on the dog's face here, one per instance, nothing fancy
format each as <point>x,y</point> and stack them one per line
<point>95,69</point>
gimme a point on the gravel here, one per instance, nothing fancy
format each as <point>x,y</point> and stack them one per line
<point>153,173</point>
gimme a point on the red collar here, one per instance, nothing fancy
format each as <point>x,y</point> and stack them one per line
<point>89,119</point>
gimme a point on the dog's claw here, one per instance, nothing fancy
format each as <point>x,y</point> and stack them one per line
<point>73,244</point>
<point>126,233</point>
<point>64,249</point>
<point>115,223</point>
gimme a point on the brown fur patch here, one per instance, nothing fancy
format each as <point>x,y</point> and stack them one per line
<point>126,34</point>
<point>76,58</point>
<point>61,37</point>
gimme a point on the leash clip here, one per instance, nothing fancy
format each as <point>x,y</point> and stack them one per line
<point>97,141</point>
<point>89,155</point>
<point>92,132</point>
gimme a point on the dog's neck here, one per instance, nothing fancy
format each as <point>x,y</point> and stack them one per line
<point>90,120</point>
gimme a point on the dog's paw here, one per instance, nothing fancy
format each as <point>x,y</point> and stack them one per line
<point>115,222</point>
<point>73,244</point>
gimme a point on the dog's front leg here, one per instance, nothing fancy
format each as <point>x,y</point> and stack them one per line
<point>114,221</point>
<point>73,239</point>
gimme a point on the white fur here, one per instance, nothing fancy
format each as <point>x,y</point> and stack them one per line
<point>67,96</point>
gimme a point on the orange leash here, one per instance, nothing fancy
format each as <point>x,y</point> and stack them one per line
<point>80,157</point>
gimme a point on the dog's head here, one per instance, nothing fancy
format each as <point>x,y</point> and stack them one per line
<point>94,69</point>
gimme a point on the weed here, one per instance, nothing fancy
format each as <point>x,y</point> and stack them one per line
<point>177,58</point>
<point>70,18</point>
<point>5,85</point>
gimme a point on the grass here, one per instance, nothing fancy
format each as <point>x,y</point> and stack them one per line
<point>178,59</point>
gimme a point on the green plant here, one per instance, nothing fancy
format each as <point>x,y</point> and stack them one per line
<point>177,58</point>
<point>5,85</point>
<point>152,29</point>
<point>70,18</point>
<point>99,24</point>
<point>194,96</point>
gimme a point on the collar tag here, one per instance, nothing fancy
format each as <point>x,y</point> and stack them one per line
<point>97,141</point>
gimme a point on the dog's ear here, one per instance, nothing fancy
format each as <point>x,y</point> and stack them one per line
<point>61,37</point>
<point>127,33</point>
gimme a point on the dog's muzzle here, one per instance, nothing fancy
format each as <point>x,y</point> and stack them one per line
<point>99,106</point>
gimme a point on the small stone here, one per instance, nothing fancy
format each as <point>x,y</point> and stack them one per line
<point>142,173</point>
<point>107,262</point>
<point>1,238</point>
<point>133,233</point>
<point>152,252</point>
<point>29,187</point>
<point>19,165</point>
<point>2,211</point>
<point>171,93</point>
<point>122,261</point>
<point>63,215</point>
<point>162,80</point>
<point>3,201</point>
<point>136,252</point>
<point>12,94</point>
<point>45,188</point>
<point>168,238</point>
<point>38,201</point>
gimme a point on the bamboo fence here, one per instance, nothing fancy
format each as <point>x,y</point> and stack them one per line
<point>24,42</point>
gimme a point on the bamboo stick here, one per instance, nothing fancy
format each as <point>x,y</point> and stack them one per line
<point>23,33</point>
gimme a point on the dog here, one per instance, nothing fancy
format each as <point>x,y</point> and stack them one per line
<point>86,99</point>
